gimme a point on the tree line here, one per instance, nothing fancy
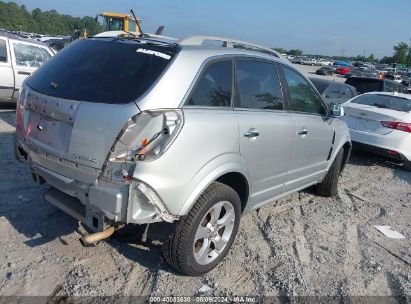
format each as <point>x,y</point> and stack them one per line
<point>401,55</point>
<point>18,18</point>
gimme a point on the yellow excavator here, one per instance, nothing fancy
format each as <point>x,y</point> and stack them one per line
<point>120,22</point>
<point>116,22</point>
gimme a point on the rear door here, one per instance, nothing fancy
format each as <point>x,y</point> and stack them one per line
<point>314,131</point>
<point>267,132</point>
<point>6,70</point>
<point>27,57</point>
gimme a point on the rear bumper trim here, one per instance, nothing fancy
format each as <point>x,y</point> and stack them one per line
<point>66,203</point>
<point>60,177</point>
<point>379,151</point>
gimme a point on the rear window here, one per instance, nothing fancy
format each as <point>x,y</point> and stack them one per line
<point>364,85</point>
<point>103,70</point>
<point>385,102</point>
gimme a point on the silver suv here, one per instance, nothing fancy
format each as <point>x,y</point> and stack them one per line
<point>131,130</point>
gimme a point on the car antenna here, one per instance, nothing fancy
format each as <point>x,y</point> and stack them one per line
<point>136,20</point>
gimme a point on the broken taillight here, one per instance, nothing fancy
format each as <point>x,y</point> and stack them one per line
<point>148,135</point>
<point>21,103</point>
<point>401,126</point>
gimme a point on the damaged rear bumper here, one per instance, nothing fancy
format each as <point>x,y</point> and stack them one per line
<point>101,203</point>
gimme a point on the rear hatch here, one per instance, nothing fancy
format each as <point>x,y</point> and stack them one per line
<point>78,102</point>
<point>366,112</point>
<point>364,85</point>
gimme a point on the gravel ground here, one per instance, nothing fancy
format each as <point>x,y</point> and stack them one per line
<point>301,245</point>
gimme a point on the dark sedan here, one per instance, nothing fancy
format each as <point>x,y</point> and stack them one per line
<point>332,91</point>
<point>325,70</point>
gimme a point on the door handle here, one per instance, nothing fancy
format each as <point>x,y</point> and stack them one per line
<point>302,132</point>
<point>23,73</point>
<point>251,134</point>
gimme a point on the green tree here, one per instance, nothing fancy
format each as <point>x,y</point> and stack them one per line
<point>280,50</point>
<point>17,18</point>
<point>371,58</point>
<point>295,52</point>
<point>387,60</point>
<point>409,56</point>
<point>400,53</point>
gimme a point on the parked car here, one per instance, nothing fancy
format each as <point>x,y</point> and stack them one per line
<point>396,77</point>
<point>325,62</point>
<point>308,61</point>
<point>19,58</point>
<point>57,44</point>
<point>332,91</point>
<point>342,63</point>
<point>167,145</point>
<point>342,70</point>
<point>297,60</point>
<point>363,72</point>
<point>381,123</point>
<point>364,85</point>
<point>325,70</point>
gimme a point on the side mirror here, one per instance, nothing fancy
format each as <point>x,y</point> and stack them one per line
<point>336,110</point>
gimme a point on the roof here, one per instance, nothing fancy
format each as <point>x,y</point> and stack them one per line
<point>227,46</point>
<point>395,94</point>
<point>15,37</point>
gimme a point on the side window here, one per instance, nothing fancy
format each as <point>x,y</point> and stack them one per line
<point>3,51</point>
<point>346,92</point>
<point>30,55</point>
<point>258,85</point>
<point>333,91</point>
<point>214,87</point>
<point>388,86</point>
<point>303,98</point>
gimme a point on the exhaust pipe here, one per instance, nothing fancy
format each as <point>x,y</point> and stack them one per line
<point>93,238</point>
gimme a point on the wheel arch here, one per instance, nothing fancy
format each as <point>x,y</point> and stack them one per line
<point>234,177</point>
<point>239,183</point>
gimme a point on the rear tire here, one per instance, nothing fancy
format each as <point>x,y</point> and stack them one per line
<point>328,187</point>
<point>202,238</point>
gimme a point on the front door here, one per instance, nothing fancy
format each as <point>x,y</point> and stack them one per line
<point>6,71</point>
<point>266,131</point>
<point>314,131</point>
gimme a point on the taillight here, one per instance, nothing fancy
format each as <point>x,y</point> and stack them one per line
<point>21,103</point>
<point>148,135</point>
<point>401,126</point>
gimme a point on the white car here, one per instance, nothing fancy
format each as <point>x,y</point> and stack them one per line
<point>380,122</point>
<point>325,62</point>
<point>19,58</point>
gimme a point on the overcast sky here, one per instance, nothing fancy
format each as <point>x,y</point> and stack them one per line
<point>327,27</point>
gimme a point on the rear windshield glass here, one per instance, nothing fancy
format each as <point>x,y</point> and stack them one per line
<point>103,70</point>
<point>384,102</point>
<point>364,85</point>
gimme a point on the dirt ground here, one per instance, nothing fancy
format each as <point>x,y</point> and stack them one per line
<point>302,245</point>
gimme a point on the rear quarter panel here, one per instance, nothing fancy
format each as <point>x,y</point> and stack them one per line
<point>206,148</point>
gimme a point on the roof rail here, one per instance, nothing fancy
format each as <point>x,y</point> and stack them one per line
<point>228,42</point>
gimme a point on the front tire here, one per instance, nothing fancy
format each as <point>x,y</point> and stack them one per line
<point>203,237</point>
<point>328,187</point>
